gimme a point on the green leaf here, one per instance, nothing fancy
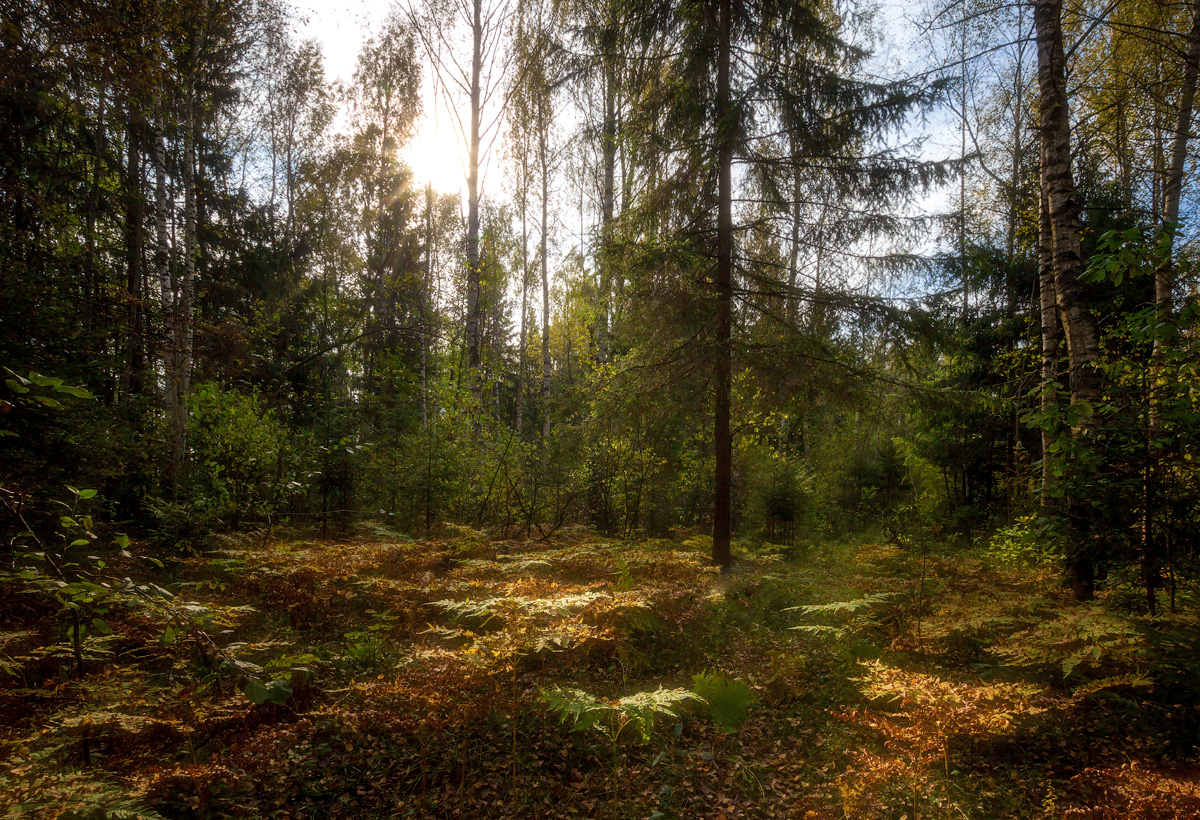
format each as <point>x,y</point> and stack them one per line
<point>169,636</point>
<point>77,392</point>
<point>54,404</point>
<point>87,493</point>
<point>277,691</point>
<point>17,377</point>
<point>101,626</point>
<point>122,541</point>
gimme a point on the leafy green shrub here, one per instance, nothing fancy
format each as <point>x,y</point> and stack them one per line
<point>243,467</point>
<point>369,647</point>
<point>1030,541</point>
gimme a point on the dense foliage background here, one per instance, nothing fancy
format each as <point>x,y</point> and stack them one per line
<point>274,321</point>
<point>718,283</point>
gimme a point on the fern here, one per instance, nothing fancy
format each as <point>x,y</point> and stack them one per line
<point>70,797</point>
<point>583,710</point>
<point>1107,685</point>
<point>491,608</point>
<point>839,607</point>
<point>728,700</point>
<point>1087,639</point>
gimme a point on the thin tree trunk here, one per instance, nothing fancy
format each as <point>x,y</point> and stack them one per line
<point>181,364</point>
<point>791,302</point>
<point>91,276</point>
<point>473,352</point>
<point>1164,286</point>
<point>1018,153</point>
<point>524,282</point>
<point>722,375</point>
<point>608,153</point>
<point>544,161</point>
<point>1164,274</point>
<point>425,305</point>
<point>166,285</point>
<point>132,382</point>
<point>962,183</point>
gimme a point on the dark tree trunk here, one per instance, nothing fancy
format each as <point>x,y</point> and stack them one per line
<point>133,382</point>
<point>722,370</point>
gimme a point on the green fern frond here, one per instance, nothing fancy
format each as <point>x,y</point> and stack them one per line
<point>838,607</point>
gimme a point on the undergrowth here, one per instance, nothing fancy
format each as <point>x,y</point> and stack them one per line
<point>463,677</point>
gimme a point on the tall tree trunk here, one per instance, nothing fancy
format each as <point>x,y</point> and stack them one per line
<point>608,156</point>
<point>1078,324</point>
<point>426,289</point>
<point>91,288</point>
<point>524,281</point>
<point>1164,302</point>
<point>132,374</point>
<point>472,330</point>
<point>183,331</point>
<point>962,181</point>
<point>166,284</point>
<point>1164,274</point>
<point>722,369</point>
<point>1018,152</point>
<point>544,162</point>
<point>1051,337</point>
<point>791,302</point>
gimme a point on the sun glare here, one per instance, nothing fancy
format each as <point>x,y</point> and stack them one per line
<point>436,155</point>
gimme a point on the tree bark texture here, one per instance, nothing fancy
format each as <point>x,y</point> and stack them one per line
<point>1051,337</point>
<point>1079,326</point>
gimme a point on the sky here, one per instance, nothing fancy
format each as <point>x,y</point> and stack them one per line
<point>341,27</point>
<point>436,152</point>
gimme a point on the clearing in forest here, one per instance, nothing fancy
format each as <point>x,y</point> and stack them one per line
<point>465,677</point>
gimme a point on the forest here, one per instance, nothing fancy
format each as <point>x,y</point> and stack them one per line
<point>790,409</point>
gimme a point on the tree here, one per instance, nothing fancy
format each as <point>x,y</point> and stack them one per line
<point>1062,207</point>
<point>480,79</point>
<point>729,94</point>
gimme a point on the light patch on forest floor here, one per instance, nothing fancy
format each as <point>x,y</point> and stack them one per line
<point>916,686</point>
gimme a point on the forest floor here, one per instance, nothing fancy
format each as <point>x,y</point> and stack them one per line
<point>471,678</point>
